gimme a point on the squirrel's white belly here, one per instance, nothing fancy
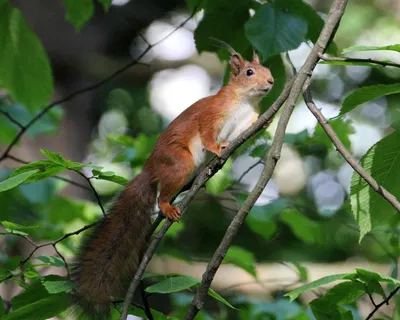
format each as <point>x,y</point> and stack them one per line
<point>239,121</point>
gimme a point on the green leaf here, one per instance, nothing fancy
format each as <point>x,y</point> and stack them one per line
<point>241,258</point>
<point>373,286</point>
<point>110,176</point>
<point>393,47</point>
<point>365,94</point>
<point>34,292</point>
<point>41,309</point>
<point>315,284</point>
<point>51,261</point>
<point>79,12</point>
<point>24,66</point>
<point>382,161</point>
<point>303,228</point>
<point>56,158</point>
<point>58,286</point>
<point>366,276</point>
<point>273,29</point>
<point>31,274</point>
<point>16,180</point>
<point>16,228</point>
<point>173,284</point>
<point>217,23</point>
<point>342,127</point>
<point>216,296</point>
<point>328,306</point>
<point>44,168</point>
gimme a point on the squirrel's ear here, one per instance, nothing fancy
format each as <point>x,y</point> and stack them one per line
<point>236,63</point>
<point>256,59</point>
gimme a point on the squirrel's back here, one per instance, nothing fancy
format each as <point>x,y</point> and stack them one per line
<point>111,253</point>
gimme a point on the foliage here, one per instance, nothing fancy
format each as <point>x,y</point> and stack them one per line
<point>288,229</point>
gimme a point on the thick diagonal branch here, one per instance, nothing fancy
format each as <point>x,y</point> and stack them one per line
<point>322,43</point>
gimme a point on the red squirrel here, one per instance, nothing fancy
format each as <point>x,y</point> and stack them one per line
<point>110,255</point>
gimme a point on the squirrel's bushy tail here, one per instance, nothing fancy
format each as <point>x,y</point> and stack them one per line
<point>111,253</point>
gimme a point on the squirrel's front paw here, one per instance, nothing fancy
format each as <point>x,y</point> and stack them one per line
<point>173,213</point>
<point>222,146</point>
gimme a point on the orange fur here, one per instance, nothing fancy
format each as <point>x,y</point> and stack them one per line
<point>110,255</point>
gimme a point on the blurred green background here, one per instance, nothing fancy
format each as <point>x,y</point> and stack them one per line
<point>303,218</point>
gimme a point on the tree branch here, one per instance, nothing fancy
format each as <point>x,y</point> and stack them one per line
<point>378,62</point>
<point>327,33</point>
<point>213,166</point>
<point>346,154</point>
<point>386,301</point>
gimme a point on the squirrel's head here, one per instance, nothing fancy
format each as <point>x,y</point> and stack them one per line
<point>251,78</point>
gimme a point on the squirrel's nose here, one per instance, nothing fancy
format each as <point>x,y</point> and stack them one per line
<point>271,80</point>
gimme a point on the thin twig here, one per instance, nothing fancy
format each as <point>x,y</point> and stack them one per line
<point>346,154</point>
<point>9,117</point>
<point>53,244</point>
<point>88,88</point>
<point>94,192</point>
<point>386,301</point>
<point>261,161</point>
<point>378,62</point>
<point>213,166</point>
<point>327,33</point>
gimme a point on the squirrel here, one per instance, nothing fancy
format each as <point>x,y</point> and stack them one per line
<point>110,255</point>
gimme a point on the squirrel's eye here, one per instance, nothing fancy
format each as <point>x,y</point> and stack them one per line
<point>249,72</point>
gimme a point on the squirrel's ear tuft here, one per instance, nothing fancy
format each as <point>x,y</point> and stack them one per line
<point>237,63</point>
<point>256,59</point>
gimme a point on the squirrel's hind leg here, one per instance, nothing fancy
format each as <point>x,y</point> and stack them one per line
<point>173,179</point>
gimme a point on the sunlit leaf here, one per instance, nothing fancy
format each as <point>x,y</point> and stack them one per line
<point>382,161</point>
<point>216,296</point>
<point>16,180</point>
<point>315,284</point>
<point>173,284</point>
<point>365,94</point>
<point>58,159</point>
<point>44,169</point>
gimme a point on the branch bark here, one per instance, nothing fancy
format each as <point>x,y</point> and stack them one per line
<point>346,154</point>
<point>327,33</point>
